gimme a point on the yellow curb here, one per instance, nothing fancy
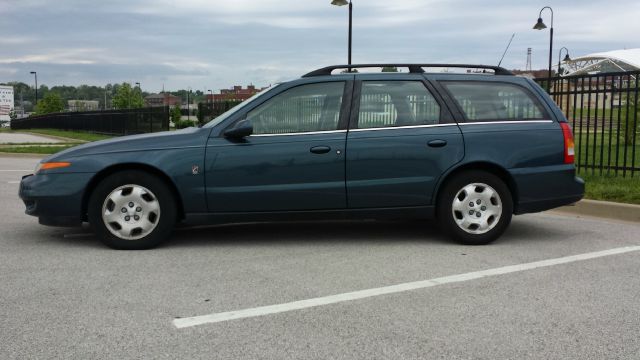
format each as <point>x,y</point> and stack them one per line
<point>603,209</point>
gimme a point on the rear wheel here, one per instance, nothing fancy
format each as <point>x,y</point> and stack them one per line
<point>132,210</point>
<point>475,207</point>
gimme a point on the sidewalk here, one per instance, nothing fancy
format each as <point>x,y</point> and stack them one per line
<point>602,209</point>
<point>20,138</point>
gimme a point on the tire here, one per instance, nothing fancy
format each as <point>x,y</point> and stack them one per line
<point>474,207</point>
<point>132,210</point>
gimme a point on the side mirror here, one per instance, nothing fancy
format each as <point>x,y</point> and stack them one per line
<point>242,129</point>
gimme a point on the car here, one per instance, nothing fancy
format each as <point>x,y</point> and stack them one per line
<point>470,149</point>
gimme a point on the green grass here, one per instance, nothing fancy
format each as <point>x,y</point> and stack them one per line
<point>75,135</point>
<point>609,188</point>
<point>46,149</point>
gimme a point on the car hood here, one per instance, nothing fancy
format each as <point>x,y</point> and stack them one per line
<point>188,137</point>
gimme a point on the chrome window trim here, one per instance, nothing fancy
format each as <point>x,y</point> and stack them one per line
<point>410,127</point>
<point>403,127</point>
<point>301,133</point>
<point>506,122</point>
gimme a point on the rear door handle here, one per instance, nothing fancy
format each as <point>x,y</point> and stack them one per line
<point>320,149</point>
<point>437,143</point>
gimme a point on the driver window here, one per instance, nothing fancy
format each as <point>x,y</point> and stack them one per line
<point>305,108</point>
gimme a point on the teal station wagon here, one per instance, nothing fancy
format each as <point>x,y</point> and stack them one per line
<point>470,149</point>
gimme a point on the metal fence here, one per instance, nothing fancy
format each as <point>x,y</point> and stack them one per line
<point>210,110</point>
<point>112,122</point>
<point>604,112</point>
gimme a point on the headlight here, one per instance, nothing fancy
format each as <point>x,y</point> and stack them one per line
<point>51,165</point>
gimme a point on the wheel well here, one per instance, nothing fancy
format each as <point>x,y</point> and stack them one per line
<point>484,166</point>
<point>124,167</point>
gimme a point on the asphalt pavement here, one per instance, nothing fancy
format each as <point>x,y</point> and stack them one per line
<point>64,295</point>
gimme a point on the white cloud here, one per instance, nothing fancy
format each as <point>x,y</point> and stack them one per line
<point>216,43</point>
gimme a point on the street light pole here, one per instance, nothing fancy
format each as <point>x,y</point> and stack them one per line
<point>539,26</point>
<point>342,3</point>
<point>566,58</point>
<point>36,78</point>
<point>210,104</point>
<point>350,30</point>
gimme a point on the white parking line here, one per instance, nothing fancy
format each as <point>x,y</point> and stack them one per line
<point>13,182</point>
<point>17,170</point>
<point>350,296</point>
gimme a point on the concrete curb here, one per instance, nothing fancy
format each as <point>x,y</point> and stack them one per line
<point>603,209</point>
<point>24,155</point>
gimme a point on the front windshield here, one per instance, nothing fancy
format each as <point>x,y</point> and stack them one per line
<point>238,107</point>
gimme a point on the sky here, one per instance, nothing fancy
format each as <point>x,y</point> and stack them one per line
<point>214,44</point>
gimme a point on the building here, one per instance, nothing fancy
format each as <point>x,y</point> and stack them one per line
<point>163,99</point>
<point>610,61</point>
<point>83,105</point>
<point>237,93</point>
<point>533,74</point>
<point>6,102</point>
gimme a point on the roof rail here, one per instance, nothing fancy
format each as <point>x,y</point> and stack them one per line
<point>413,68</point>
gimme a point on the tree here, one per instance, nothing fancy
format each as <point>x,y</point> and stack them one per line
<point>51,103</point>
<point>127,97</point>
<point>390,69</point>
<point>176,114</point>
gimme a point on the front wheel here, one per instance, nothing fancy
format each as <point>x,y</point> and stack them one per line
<point>475,207</point>
<point>132,210</point>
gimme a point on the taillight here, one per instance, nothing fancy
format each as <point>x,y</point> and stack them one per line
<point>569,146</point>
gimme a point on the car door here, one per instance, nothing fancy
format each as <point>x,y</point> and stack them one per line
<point>294,160</point>
<point>401,140</point>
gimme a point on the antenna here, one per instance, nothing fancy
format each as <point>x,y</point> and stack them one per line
<point>505,50</point>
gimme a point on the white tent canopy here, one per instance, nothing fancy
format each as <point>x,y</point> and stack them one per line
<point>610,61</point>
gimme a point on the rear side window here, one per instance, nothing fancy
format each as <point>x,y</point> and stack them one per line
<point>396,103</point>
<point>492,101</point>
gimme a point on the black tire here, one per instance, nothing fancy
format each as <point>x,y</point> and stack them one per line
<point>448,218</point>
<point>164,219</point>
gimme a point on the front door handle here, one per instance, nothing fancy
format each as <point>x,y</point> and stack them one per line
<point>437,143</point>
<point>320,149</point>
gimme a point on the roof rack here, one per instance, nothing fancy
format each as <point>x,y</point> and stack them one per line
<point>413,68</point>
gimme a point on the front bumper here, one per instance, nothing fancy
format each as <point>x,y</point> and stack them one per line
<point>56,199</point>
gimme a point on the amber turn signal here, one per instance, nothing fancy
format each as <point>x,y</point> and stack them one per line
<point>53,165</point>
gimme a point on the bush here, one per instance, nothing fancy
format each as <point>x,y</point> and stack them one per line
<point>182,124</point>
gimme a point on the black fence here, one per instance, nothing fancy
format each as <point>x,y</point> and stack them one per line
<point>112,122</point>
<point>210,110</point>
<point>604,112</point>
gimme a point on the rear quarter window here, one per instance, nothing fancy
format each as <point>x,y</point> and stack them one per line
<point>495,101</point>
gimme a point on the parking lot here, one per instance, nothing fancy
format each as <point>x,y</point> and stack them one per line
<point>64,295</point>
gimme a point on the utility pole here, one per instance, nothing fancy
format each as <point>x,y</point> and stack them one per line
<point>35,74</point>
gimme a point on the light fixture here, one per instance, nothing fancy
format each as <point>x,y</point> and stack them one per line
<point>539,25</point>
